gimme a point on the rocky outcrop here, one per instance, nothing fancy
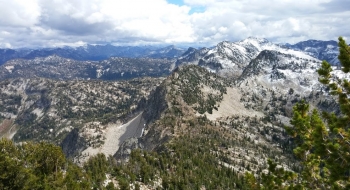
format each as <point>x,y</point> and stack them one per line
<point>125,149</point>
<point>155,105</point>
<point>73,143</point>
<point>152,108</point>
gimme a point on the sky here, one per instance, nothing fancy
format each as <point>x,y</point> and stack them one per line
<point>57,23</point>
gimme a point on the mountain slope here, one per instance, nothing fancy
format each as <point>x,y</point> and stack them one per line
<point>76,114</point>
<point>195,107</point>
<point>273,82</point>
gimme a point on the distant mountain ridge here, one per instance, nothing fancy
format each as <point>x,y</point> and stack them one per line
<point>322,50</point>
<point>93,52</point>
<point>228,59</point>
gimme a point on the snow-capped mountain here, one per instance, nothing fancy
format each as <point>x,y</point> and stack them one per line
<point>322,50</point>
<point>231,58</point>
<point>266,74</point>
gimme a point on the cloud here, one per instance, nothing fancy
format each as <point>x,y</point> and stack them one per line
<point>43,23</point>
<point>279,21</point>
<point>19,13</point>
<point>336,6</point>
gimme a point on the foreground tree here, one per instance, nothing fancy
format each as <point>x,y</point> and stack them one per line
<point>38,166</point>
<point>323,140</point>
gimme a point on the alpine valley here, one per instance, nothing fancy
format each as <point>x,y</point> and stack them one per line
<point>166,118</point>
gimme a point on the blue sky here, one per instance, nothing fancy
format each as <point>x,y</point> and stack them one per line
<point>176,2</point>
<point>194,9</point>
<point>42,23</point>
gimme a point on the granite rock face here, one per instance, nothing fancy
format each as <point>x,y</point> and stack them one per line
<point>72,144</point>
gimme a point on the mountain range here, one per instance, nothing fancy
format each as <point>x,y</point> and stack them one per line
<point>95,62</point>
<point>323,50</point>
<point>230,58</point>
<point>224,106</point>
<point>93,52</point>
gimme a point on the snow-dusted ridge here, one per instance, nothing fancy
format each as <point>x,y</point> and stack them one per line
<point>231,58</point>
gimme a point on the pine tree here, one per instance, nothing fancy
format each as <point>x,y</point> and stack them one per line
<point>38,166</point>
<point>323,141</point>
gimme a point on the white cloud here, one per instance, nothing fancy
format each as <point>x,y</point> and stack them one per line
<point>199,2</point>
<point>19,13</point>
<point>70,44</point>
<point>62,22</point>
<point>6,45</point>
<point>279,21</point>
